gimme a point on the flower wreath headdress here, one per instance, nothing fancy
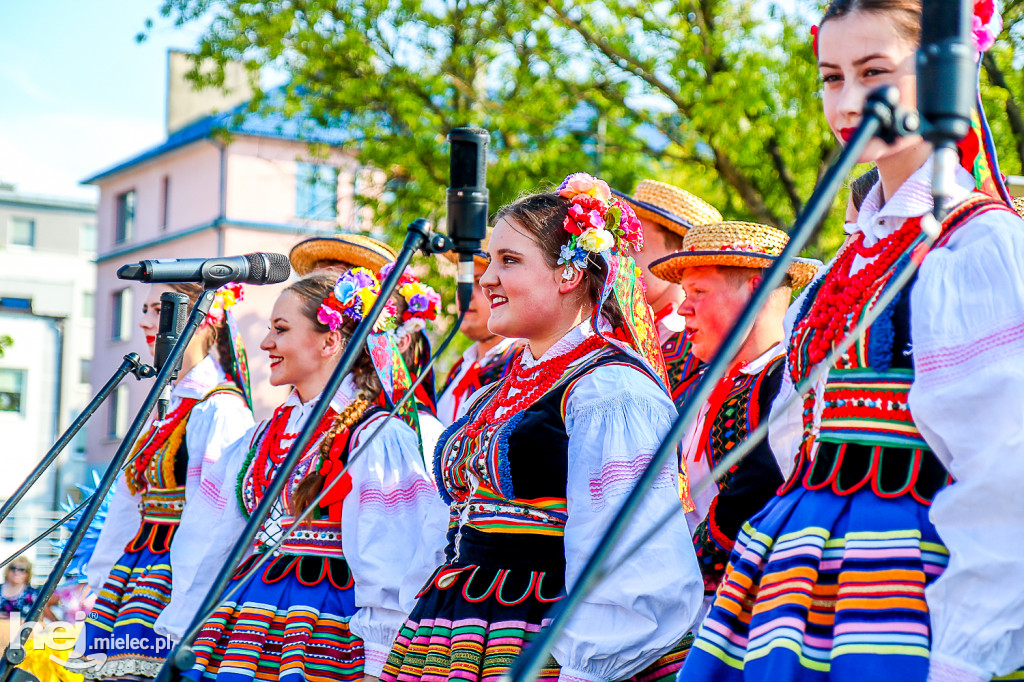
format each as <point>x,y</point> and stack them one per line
<point>596,223</point>
<point>224,299</point>
<point>353,296</point>
<point>421,301</point>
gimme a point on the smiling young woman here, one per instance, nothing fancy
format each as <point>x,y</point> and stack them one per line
<point>329,603</point>
<point>541,461</point>
<point>885,555</point>
<point>135,556</point>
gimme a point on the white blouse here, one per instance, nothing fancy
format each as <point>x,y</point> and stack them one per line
<point>393,528</point>
<point>212,426</point>
<point>616,417</point>
<point>967,326</point>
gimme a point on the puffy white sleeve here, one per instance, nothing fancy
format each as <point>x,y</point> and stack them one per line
<point>393,523</point>
<point>214,424</point>
<point>967,325</point>
<point>121,525</point>
<point>785,425</point>
<point>430,432</point>
<point>615,418</point>
<point>210,525</point>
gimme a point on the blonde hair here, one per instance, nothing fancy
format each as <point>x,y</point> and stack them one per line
<point>21,562</point>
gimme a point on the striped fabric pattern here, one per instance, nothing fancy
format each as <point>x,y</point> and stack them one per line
<point>866,406</point>
<point>276,627</point>
<point>472,649</point>
<point>823,587</point>
<point>121,622</point>
<point>491,513</point>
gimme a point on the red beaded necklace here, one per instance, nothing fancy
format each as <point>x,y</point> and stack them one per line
<point>273,450</point>
<point>530,385</point>
<point>154,440</point>
<point>831,312</point>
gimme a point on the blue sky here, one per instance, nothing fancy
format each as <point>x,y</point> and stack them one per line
<point>77,93</point>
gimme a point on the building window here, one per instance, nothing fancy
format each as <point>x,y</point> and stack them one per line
<point>117,415</point>
<point>165,200</point>
<point>12,390</point>
<point>84,366</point>
<point>88,304</point>
<point>23,232</point>
<point>124,227</point>
<point>21,305</point>
<point>121,315</point>
<point>316,192</point>
<point>87,238</point>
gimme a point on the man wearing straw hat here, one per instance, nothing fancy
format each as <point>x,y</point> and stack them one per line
<point>487,360</point>
<point>719,267</point>
<point>666,212</point>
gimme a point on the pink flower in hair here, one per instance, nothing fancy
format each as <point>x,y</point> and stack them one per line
<point>986,24</point>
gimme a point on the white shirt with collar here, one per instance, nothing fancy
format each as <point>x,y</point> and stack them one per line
<point>448,408</point>
<point>967,326</point>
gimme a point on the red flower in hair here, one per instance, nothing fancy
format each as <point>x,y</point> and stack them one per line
<point>814,40</point>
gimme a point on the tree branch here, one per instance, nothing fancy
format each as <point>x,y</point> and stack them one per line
<point>785,175</point>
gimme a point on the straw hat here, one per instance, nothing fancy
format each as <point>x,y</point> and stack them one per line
<point>670,206</point>
<point>353,250</point>
<point>733,244</point>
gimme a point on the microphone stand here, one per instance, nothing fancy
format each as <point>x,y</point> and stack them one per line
<point>419,237</point>
<point>131,363</point>
<point>15,652</point>
<point>881,117</point>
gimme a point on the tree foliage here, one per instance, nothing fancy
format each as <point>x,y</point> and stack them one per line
<point>718,96</point>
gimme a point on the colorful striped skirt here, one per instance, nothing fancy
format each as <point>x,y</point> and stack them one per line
<point>477,613</point>
<point>120,626</point>
<point>287,620</point>
<point>821,587</point>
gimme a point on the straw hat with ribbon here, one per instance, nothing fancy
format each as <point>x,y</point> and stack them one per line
<point>351,250</point>
<point>670,206</point>
<point>733,244</point>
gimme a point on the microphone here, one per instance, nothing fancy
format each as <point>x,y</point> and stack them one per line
<point>945,88</point>
<point>467,203</point>
<point>252,268</point>
<point>173,315</point>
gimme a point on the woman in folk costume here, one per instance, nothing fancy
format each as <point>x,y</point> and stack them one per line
<point>134,559</point>
<point>329,602</point>
<point>541,461</point>
<point>885,556</point>
<point>416,304</point>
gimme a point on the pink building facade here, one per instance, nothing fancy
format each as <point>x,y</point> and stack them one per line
<point>200,195</point>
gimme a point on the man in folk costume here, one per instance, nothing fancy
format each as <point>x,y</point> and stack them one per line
<point>666,213</point>
<point>487,359</point>
<point>719,267</point>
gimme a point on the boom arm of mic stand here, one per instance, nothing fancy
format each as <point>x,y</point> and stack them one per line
<point>131,363</point>
<point>879,113</point>
<point>181,657</point>
<point>15,652</point>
